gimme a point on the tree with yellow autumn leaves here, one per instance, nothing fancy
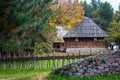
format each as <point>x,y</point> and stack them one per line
<point>67,15</point>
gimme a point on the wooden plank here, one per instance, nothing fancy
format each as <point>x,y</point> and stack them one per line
<point>40,58</point>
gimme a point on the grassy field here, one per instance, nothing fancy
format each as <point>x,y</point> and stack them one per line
<point>31,73</point>
<point>42,74</point>
<point>41,71</point>
<point>102,77</point>
<point>20,74</point>
<point>45,75</point>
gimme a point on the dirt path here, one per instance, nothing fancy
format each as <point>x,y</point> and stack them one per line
<point>42,76</point>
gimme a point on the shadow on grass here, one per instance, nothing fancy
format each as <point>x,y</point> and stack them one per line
<point>101,77</point>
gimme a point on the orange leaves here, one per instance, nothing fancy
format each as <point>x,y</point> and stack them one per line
<point>68,15</point>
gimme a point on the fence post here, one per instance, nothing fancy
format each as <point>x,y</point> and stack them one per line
<point>53,65</point>
<point>4,62</point>
<point>68,59</point>
<point>54,52</point>
<point>73,57</point>
<point>58,60</point>
<point>0,55</point>
<point>84,54</point>
<point>90,52</point>
<point>48,61</point>
<point>63,61</point>
<point>79,55</point>
<point>33,62</point>
<point>8,62</point>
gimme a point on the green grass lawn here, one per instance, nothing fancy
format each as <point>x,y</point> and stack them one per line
<point>102,77</point>
<point>43,71</point>
<point>12,73</point>
<point>16,74</point>
<point>45,75</point>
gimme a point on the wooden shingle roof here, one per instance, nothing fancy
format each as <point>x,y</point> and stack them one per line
<point>87,28</point>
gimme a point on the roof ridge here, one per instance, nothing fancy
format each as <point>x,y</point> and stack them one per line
<point>87,28</point>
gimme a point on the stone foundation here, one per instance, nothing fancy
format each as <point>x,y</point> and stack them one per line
<point>92,66</point>
<point>77,50</point>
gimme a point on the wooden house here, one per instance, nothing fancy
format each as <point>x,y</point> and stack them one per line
<point>85,36</point>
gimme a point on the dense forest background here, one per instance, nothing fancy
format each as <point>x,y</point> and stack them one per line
<point>29,26</point>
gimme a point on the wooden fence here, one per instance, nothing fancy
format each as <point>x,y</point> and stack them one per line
<point>46,62</point>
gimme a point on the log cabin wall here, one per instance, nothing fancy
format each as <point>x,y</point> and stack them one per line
<point>84,43</point>
<point>89,35</point>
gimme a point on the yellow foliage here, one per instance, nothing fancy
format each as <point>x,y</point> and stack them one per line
<point>69,15</point>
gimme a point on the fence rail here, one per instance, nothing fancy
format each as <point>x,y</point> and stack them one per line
<point>44,58</point>
<point>46,62</point>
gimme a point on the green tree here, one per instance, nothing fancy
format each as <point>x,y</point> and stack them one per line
<point>24,25</point>
<point>9,26</point>
<point>106,14</point>
<point>101,13</point>
<point>88,9</point>
<point>94,4</point>
<point>68,15</point>
<point>37,31</point>
<point>114,30</point>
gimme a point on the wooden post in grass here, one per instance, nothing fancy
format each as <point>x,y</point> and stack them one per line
<point>73,57</point>
<point>90,52</point>
<point>43,63</point>
<point>40,64</point>
<point>100,52</point>
<point>53,65</point>
<point>84,54</point>
<point>58,61</point>
<point>48,61</point>
<point>63,61</point>
<point>4,63</point>
<point>14,64</point>
<point>79,54</point>
<point>0,55</point>
<point>67,58</point>
<point>9,61</point>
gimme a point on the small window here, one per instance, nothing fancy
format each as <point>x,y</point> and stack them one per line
<point>58,46</point>
<point>76,39</point>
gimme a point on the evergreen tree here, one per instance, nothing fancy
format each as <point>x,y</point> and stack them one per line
<point>114,29</point>
<point>38,34</point>
<point>88,9</point>
<point>101,13</point>
<point>94,4</point>
<point>106,14</point>
<point>24,25</point>
<point>10,21</point>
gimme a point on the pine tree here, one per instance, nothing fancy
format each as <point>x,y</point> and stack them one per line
<point>100,12</point>
<point>114,29</point>
<point>24,25</point>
